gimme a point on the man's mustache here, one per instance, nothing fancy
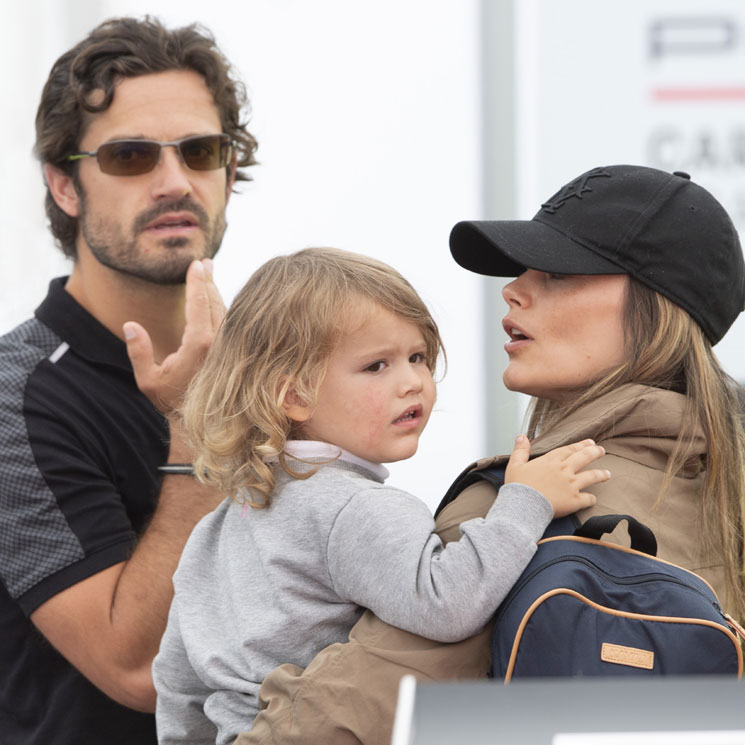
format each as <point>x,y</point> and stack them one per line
<point>184,204</point>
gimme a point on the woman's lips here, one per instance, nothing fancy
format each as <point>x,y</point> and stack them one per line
<point>518,336</point>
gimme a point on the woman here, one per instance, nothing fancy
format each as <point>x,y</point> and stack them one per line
<point>625,280</point>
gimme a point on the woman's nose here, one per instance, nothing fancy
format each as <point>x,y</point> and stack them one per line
<point>524,289</point>
<point>515,292</point>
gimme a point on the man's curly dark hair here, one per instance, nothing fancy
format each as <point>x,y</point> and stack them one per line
<point>126,48</point>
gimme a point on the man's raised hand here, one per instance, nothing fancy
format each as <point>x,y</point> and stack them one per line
<point>165,383</point>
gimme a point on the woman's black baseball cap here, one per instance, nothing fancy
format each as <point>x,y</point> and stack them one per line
<point>662,229</point>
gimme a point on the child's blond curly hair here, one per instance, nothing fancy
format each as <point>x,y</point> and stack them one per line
<point>278,334</point>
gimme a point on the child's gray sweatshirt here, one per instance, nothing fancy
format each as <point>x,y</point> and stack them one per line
<point>256,588</point>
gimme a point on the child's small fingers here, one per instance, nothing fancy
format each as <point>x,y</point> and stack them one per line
<point>586,500</point>
<point>586,455</point>
<point>521,451</point>
<point>579,501</point>
<point>566,451</point>
<point>590,477</point>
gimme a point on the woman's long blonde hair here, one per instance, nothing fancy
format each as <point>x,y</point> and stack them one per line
<point>278,334</point>
<point>667,349</point>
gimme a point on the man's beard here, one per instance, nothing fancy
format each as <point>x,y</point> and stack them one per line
<point>116,251</point>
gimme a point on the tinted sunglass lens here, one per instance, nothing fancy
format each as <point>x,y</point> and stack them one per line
<point>205,153</point>
<point>128,157</point>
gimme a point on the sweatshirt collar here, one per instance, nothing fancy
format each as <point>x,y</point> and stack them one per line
<point>309,449</point>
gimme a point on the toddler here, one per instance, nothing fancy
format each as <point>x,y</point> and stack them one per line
<point>323,371</point>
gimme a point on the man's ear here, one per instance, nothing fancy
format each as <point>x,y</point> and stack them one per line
<point>62,190</point>
<point>294,406</point>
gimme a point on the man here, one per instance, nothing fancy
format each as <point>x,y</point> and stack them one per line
<point>140,132</point>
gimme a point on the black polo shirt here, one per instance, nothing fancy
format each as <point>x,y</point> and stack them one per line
<point>80,448</point>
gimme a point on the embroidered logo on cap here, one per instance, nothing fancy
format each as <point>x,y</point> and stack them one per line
<point>575,188</point>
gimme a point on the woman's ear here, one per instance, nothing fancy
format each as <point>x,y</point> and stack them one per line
<point>62,190</point>
<point>294,406</point>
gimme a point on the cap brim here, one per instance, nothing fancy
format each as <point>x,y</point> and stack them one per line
<point>505,248</point>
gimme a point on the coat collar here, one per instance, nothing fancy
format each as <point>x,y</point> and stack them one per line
<point>634,421</point>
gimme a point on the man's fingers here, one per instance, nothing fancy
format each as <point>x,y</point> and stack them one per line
<point>165,382</point>
<point>204,307</point>
<point>140,351</point>
<point>197,309</point>
<point>162,383</point>
<point>216,304</point>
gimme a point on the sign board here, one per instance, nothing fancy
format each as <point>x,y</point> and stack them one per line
<point>649,82</point>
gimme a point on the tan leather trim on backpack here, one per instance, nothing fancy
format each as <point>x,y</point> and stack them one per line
<point>616,547</point>
<point>610,611</point>
<point>629,656</point>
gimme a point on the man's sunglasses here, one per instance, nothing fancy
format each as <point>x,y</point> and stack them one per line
<point>134,157</point>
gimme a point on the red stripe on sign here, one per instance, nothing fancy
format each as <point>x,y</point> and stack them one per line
<point>699,94</point>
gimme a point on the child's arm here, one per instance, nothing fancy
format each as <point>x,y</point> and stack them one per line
<point>558,474</point>
<point>383,555</point>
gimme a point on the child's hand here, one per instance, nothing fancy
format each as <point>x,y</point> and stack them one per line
<point>558,474</point>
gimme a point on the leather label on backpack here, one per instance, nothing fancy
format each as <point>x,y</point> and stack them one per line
<point>629,656</point>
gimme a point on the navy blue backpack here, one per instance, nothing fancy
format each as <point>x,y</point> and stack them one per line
<point>585,607</point>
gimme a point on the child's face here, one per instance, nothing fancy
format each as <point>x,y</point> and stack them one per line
<point>378,392</point>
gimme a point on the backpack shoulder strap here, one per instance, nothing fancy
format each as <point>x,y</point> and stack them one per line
<point>492,474</point>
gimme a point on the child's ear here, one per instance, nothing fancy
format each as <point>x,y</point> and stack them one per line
<point>294,406</point>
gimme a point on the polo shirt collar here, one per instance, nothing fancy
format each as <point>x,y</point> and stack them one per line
<point>86,336</point>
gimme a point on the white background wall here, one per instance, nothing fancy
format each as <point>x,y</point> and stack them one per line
<point>369,117</point>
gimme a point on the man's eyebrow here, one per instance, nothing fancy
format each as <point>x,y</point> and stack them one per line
<point>141,136</point>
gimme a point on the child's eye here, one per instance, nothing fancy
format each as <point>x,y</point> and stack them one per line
<point>376,366</point>
<point>418,357</point>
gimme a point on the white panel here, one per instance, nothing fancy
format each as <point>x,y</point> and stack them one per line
<point>657,83</point>
<point>368,120</point>
<point>32,35</point>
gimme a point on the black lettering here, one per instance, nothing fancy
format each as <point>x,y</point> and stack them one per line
<point>706,155</point>
<point>737,147</point>
<point>691,35</point>
<point>664,149</point>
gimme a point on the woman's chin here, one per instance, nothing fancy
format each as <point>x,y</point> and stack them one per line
<point>510,387</point>
<point>515,383</point>
<point>529,388</point>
